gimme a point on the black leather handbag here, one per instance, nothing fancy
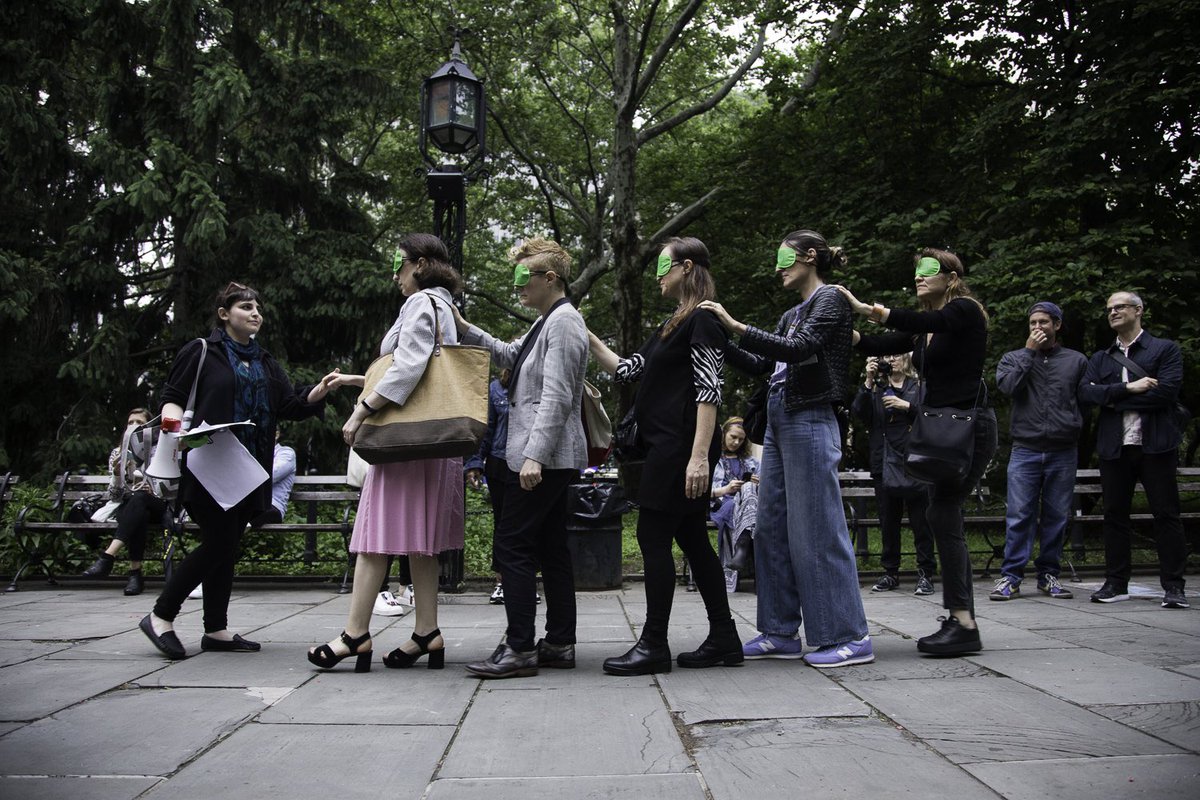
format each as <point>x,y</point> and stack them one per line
<point>941,444</point>
<point>628,445</point>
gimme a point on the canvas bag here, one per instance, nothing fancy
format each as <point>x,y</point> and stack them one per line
<point>444,417</point>
<point>597,429</point>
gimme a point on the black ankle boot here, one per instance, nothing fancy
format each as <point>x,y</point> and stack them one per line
<point>723,646</point>
<point>102,567</point>
<point>743,554</point>
<point>136,583</point>
<point>644,658</point>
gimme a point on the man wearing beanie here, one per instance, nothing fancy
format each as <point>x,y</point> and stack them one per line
<point>1043,379</point>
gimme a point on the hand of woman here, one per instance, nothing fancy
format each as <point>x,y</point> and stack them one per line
<point>860,308</point>
<point>336,380</point>
<point>696,478</point>
<point>460,322</point>
<point>754,479</point>
<point>734,486</point>
<point>895,403</point>
<point>474,477</point>
<point>350,429</point>
<point>731,324</point>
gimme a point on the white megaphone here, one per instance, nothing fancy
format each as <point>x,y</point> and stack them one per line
<point>164,464</point>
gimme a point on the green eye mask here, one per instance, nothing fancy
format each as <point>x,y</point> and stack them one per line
<point>397,263</point>
<point>521,275</point>
<point>928,267</point>
<point>664,265</point>
<point>784,258</point>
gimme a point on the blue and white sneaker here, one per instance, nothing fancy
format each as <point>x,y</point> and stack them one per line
<point>766,645</point>
<point>842,655</point>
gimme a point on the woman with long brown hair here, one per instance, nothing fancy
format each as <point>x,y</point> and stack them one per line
<point>679,368</point>
<point>948,337</point>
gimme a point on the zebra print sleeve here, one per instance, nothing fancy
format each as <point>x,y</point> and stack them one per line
<point>706,373</point>
<point>630,369</point>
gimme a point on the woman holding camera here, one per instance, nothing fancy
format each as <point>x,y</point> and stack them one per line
<point>886,402</point>
<point>237,381</point>
<point>735,495</point>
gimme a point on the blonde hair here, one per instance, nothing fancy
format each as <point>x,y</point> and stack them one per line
<point>541,253</point>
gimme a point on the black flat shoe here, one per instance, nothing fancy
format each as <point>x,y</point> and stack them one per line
<point>101,568</point>
<point>136,584</point>
<point>398,659</point>
<point>644,658</point>
<point>951,640</point>
<point>506,663</point>
<point>238,645</point>
<point>325,658</point>
<point>168,643</point>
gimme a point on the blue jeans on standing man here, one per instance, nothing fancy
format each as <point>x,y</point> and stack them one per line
<point>1040,485</point>
<point>803,559</point>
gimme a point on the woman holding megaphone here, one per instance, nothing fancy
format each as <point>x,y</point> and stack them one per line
<point>235,380</point>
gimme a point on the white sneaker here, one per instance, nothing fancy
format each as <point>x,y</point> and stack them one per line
<point>386,605</point>
<point>497,598</point>
<point>407,597</point>
<point>197,593</point>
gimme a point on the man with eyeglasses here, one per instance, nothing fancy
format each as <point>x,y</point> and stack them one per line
<point>545,452</point>
<point>1135,381</point>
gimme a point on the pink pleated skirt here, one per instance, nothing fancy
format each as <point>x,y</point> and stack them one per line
<point>411,507</point>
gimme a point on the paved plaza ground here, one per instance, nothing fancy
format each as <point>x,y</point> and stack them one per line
<point>1070,699</point>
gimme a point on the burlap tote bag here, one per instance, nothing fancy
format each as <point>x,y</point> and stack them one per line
<point>445,416</point>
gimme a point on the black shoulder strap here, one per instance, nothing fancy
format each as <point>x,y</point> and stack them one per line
<point>1129,364</point>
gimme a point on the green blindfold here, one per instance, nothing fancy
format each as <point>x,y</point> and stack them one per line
<point>664,265</point>
<point>928,267</point>
<point>522,273</point>
<point>397,262</point>
<point>784,258</point>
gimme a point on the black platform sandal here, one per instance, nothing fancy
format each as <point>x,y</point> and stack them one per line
<point>325,658</point>
<point>398,659</point>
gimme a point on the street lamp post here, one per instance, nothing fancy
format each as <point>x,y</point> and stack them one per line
<point>453,118</point>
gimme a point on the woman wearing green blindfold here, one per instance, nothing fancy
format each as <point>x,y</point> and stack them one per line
<point>948,337</point>
<point>679,371</point>
<point>804,566</point>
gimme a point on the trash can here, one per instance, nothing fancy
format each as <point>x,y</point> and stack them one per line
<point>594,512</point>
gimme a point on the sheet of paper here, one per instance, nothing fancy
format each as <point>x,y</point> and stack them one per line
<point>225,468</point>
<point>204,427</point>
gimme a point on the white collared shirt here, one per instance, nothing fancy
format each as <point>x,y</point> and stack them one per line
<point>1131,421</point>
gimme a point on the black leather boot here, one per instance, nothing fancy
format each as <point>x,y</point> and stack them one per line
<point>743,554</point>
<point>102,567</point>
<point>723,646</point>
<point>136,583</point>
<point>951,639</point>
<point>644,658</point>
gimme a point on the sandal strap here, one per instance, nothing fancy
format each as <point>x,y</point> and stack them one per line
<point>354,644</point>
<point>423,641</point>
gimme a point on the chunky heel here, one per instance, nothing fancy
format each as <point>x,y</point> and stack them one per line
<point>398,659</point>
<point>325,658</point>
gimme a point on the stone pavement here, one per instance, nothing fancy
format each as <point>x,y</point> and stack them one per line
<point>1071,699</point>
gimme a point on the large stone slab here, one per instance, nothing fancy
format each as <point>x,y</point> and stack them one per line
<point>997,719</point>
<point>736,693</point>
<point>40,788</point>
<point>824,758</point>
<point>1088,677</point>
<point>313,761</point>
<point>1185,621</point>
<point>36,688</point>
<point>171,727</point>
<point>380,697</point>
<point>1177,723</point>
<point>896,658</point>
<point>276,668</point>
<point>17,651</point>
<point>73,626</point>
<point>565,732</point>
<point>1141,778</point>
<point>609,787</point>
<point>1149,645</point>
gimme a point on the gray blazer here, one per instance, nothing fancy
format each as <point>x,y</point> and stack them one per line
<point>411,340</point>
<point>544,421</point>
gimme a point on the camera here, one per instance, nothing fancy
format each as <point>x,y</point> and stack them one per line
<point>747,475</point>
<point>883,372</point>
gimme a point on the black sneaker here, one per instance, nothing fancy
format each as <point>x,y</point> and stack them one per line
<point>951,640</point>
<point>924,585</point>
<point>1173,597</point>
<point>1110,592</point>
<point>886,584</point>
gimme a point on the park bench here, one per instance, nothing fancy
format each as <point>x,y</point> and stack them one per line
<point>7,482</point>
<point>309,492</point>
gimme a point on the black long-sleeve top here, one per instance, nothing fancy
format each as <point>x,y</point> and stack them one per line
<point>951,362</point>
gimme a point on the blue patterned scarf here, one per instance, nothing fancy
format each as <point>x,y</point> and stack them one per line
<point>250,398</point>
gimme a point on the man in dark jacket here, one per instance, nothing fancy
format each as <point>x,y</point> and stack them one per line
<point>1042,378</point>
<point>1135,381</point>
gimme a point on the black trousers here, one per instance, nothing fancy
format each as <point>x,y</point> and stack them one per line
<point>945,515</point>
<point>269,517</point>
<point>655,532</point>
<point>495,470</point>
<point>138,515</point>
<point>891,504</point>
<point>1118,479</point>
<point>533,532</point>
<point>210,562</point>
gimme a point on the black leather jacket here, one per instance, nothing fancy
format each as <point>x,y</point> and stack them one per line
<point>813,339</point>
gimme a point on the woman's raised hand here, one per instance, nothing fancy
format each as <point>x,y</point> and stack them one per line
<point>336,380</point>
<point>460,322</point>
<point>858,307</point>
<point>729,322</point>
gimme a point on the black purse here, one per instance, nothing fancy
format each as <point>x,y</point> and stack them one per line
<point>628,445</point>
<point>754,420</point>
<point>941,442</point>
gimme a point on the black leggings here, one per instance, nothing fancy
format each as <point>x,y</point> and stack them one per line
<point>210,562</point>
<point>138,515</point>
<point>655,532</point>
